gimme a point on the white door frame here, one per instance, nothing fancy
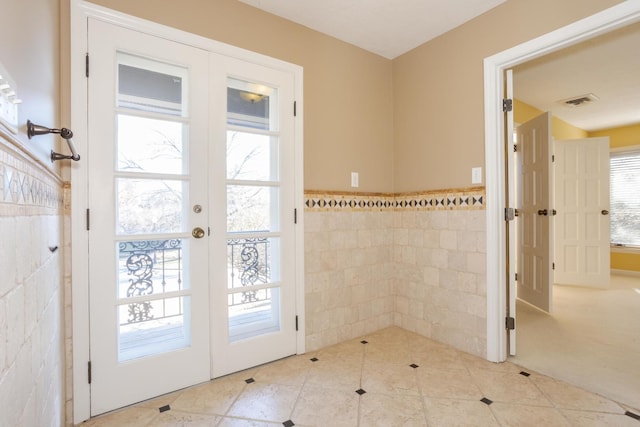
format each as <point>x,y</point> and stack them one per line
<point>623,14</point>
<point>80,12</point>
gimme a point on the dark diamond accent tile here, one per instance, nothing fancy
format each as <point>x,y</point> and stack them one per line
<point>288,423</point>
<point>632,415</point>
<point>249,381</point>
<point>164,408</point>
<point>525,374</point>
<point>314,359</point>
<point>486,401</point>
<point>364,342</point>
<point>414,366</point>
<point>360,391</point>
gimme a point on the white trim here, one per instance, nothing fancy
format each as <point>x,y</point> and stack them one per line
<point>616,17</point>
<point>81,11</point>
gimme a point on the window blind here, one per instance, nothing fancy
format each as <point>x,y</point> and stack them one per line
<point>625,198</point>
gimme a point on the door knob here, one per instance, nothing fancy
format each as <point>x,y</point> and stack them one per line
<point>198,233</point>
<point>604,212</point>
<point>542,212</point>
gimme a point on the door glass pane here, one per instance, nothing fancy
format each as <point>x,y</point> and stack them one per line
<point>253,314</point>
<point>252,105</point>
<point>252,208</point>
<point>164,327</point>
<point>252,156</point>
<point>149,206</point>
<point>151,267</point>
<point>152,86</point>
<point>252,261</point>
<point>151,145</point>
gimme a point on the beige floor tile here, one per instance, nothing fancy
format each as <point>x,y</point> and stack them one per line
<point>267,402</point>
<point>388,378</point>
<point>528,416</point>
<point>455,384</point>
<point>214,397</point>
<point>321,406</point>
<point>595,419</point>
<point>290,371</point>
<point>173,418</point>
<point>238,422</point>
<point>352,349</point>
<point>459,413</point>
<point>391,411</point>
<point>160,401</point>
<point>438,358</point>
<point>566,396</point>
<point>342,374</point>
<point>512,388</point>
<point>129,417</point>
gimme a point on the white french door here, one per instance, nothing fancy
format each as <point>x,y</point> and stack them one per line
<point>191,201</point>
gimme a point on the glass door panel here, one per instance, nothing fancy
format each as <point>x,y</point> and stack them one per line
<point>253,210</point>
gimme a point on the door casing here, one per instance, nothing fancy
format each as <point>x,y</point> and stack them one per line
<point>616,17</point>
<point>80,13</point>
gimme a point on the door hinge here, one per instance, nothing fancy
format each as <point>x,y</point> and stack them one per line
<point>553,158</point>
<point>507,105</point>
<point>296,322</point>
<point>516,277</point>
<point>295,216</point>
<point>295,108</point>
<point>553,266</point>
<point>515,148</point>
<point>89,372</point>
<point>510,323</point>
<point>88,219</point>
<point>510,214</point>
<point>86,65</point>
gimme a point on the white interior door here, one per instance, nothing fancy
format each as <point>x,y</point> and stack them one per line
<point>582,201</point>
<point>253,298</point>
<point>535,228</point>
<point>147,121</point>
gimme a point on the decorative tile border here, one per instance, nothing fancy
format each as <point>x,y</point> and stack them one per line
<point>26,187</point>
<point>452,199</point>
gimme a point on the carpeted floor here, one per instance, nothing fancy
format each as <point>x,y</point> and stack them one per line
<point>591,339</point>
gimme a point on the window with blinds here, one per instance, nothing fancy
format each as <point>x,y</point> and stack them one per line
<point>625,198</point>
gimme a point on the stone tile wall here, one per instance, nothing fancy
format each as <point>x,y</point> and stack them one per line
<point>413,260</point>
<point>31,300</point>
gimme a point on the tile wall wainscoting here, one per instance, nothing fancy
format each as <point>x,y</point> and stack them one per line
<point>413,260</point>
<point>31,294</point>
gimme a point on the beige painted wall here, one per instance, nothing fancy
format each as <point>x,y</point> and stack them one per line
<point>347,91</point>
<point>29,52</point>
<point>438,90</point>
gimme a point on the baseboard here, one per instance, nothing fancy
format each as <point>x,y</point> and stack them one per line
<point>625,272</point>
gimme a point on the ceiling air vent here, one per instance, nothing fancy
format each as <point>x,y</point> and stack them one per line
<point>579,101</point>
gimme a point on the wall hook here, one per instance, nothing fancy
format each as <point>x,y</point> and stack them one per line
<point>66,134</point>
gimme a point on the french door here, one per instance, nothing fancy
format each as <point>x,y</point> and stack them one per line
<point>190,193</point>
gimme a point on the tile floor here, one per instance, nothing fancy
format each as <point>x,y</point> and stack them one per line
<point>389,378</point>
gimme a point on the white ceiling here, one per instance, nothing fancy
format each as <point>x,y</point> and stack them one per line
<point>386,27</point>
<point>607,66</point>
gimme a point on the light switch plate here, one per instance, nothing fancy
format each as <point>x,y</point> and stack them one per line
<point>476,175</point>
<point>355,179</point>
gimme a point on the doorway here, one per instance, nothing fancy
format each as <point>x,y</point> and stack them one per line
<point>190,184</point>
<point>616,17</point>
